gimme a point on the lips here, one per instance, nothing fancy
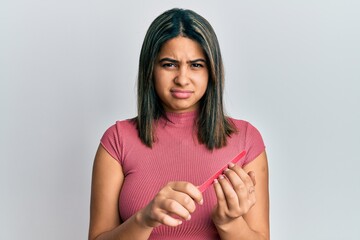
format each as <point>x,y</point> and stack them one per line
<point>181,94</point>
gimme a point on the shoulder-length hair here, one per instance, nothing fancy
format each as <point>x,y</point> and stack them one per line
<point>212,125</point>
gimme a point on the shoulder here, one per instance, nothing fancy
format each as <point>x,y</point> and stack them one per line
<point>116,136</point>
<point>242,125</point>
<point>246,129</point>
<point>250,137</point>
<point>238,122</point>
<point>121,125</point>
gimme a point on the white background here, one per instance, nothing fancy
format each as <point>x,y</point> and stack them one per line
<point>68,71</point>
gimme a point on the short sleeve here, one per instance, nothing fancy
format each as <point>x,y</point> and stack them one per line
<point>254,143</point>
<point>111,142</point>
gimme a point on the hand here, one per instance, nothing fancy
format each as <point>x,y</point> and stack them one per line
<point>173,202</point>
<point>235,194</point>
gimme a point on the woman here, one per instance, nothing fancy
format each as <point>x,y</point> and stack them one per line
<point>147,170</point>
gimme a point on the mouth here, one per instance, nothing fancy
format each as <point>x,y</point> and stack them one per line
<point>181,94</point>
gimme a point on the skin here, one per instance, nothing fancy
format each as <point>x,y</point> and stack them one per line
<point>242,211</point>
<point>181,78</point>
<point>180,75</point>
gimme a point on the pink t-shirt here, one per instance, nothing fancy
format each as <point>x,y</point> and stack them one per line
<point>175,156</point>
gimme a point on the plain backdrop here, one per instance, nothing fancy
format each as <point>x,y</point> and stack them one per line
<point>68,71</point>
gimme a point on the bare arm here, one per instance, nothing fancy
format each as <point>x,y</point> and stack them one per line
<point>243,206</point>
<point>175,198</point>
<point>105,222</point>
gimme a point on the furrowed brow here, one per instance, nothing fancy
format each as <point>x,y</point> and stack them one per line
<point>168,60</point>
<point>176,61</point>
<point>197,60</point>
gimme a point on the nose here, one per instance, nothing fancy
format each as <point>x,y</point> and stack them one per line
<point>182,78</point>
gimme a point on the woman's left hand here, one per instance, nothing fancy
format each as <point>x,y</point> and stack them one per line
<point>235,194</point>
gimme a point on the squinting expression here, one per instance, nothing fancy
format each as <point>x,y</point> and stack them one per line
<point>180,75</point>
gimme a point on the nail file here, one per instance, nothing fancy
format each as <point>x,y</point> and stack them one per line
<point>208,182</point>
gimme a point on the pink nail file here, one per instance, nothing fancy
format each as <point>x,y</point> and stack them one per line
<point>208,182</point>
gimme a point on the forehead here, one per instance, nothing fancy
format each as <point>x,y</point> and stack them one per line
<point>180,47</point>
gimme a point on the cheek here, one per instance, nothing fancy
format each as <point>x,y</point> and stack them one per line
<point>161,86</point>
<point>157,81</point>
<point>203,83</point>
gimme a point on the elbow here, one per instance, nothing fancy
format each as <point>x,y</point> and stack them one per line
<point>94,236</point>
<point>263,236</point>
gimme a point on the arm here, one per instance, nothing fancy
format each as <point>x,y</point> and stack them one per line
<point>107,180</point>
<point>176,198</point>
<point>242,211</point>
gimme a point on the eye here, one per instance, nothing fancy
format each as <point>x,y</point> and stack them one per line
<point>168,65</point>
<point>196,65</point>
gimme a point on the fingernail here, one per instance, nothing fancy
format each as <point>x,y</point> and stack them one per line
<point>179,222</point>
<point>221,176</point>
<point>226,169</point>
<point>201,202</point>
<point>216,181</point>
<point>188,218</point>
<point>231,165</point>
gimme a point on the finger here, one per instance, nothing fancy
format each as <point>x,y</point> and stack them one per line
<point>189,189</point>
<point>221,200</point>
<point>184,200</point>
<point>234,178</point>
<point>231,196</point>
<point>242,174</point>
<point>249,181</point>
<point>245,194</point>
<point>168,220</point>
<point>175,208</point>
<point>252,176</point>
<point>239,187</point>
<point>245,187</point>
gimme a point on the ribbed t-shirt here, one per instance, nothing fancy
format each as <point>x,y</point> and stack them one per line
<point>176,155</point>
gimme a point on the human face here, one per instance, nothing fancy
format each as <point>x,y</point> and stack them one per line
<point>180,75</point>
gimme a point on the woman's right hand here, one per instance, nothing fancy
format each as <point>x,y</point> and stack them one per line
<point>172,204</point>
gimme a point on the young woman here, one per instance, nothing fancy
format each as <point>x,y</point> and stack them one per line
<point>147,170</point>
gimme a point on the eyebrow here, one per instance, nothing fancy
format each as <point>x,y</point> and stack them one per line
<point>176,61</point>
